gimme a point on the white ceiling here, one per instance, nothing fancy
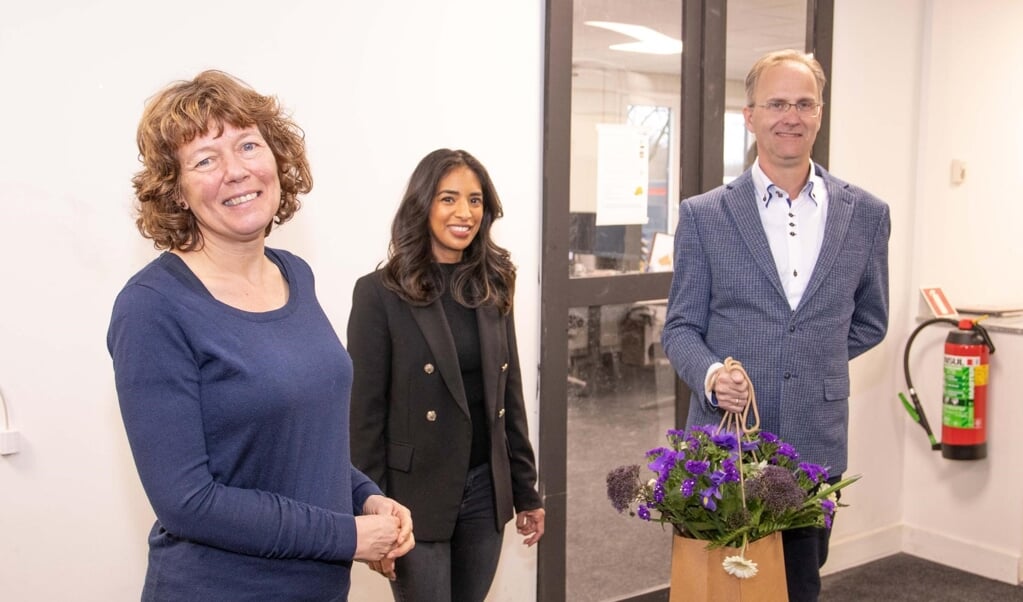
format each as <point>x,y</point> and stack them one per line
<point>754,27</point>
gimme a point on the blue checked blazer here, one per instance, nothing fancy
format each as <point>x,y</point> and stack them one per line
<point>727,300</point>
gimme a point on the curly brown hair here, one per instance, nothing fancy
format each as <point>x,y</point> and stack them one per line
<point>186,109</point>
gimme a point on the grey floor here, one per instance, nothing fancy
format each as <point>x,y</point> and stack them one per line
<point>905,578</point>
<point>613,421</point>
<point>611,555</point>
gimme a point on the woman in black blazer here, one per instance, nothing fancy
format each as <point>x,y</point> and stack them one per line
<point>438,418</point>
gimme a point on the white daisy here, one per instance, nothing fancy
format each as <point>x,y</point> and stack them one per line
<point>740,567</point>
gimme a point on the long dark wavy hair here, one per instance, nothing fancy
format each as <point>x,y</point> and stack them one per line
<point>485,276</point>
<point>186,109</point>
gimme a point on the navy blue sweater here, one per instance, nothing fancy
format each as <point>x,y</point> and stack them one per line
<point>238,423</point>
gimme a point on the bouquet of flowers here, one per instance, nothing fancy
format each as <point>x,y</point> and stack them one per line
<point>727,488</point>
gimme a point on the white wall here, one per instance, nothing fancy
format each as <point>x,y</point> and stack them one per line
<point>376,85</point>
<point>967,241</point>
<point>916,84</point>
<point>972,89</point>
<point>873,106</point>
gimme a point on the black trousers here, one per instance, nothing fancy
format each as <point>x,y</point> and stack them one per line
<point>806,551</point>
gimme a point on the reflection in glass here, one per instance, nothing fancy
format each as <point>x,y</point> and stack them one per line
<point>615,93</point>
<point>740,147</point>
<point>656,123</point>
<point>754,28</point>
<point>620,404</point>
<point>598,249</point>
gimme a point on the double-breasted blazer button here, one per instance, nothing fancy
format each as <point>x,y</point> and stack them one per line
<point>504,367</point>
<point>431,416</point>
<point>500,413</point>
<point>428,368</point>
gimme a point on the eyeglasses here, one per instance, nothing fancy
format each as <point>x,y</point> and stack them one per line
<point>805,108</point>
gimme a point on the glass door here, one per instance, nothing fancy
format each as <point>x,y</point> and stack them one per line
<point>626,72</point>
<point>633,125</point>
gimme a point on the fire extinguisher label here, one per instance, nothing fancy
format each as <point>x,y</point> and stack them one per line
<point>980,375</point>
<point>961,376</point>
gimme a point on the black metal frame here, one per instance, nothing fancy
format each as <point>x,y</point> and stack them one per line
<point>820,26</point>
<point>557,116</point>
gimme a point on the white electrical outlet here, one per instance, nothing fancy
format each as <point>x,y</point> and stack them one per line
<point>957,171</point>
<point>10,442</point>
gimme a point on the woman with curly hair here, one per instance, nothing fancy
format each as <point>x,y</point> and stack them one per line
<point>233,387</point>
<point>438,418</point>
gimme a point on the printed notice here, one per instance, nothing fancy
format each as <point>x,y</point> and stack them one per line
<point>623,174</point>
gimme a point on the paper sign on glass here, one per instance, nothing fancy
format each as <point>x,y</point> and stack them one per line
<point>623,174</point>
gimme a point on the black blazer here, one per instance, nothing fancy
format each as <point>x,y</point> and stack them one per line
<point>411,431</point>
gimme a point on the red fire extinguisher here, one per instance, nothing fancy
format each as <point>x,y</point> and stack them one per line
<point>964,398</point>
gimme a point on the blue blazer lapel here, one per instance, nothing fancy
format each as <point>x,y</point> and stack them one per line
<point>434,326</point>
<point>740,200</point>
<point>840,212</point>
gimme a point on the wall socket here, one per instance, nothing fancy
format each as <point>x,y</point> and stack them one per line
<point>957,171</point>
<point>10,442</point>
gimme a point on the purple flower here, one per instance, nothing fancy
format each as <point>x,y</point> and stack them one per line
<point>623,486</point>
<point>707,497</point>
<point>731,471</point>
<point>768,437</point>
<point>643,512</point>
<point>663,463</point>
<point>697,467</point>
<point>658,492</point>
<point>787,450</point>
<point>687,487</point>
<point>656,452</point>
<point>778,488</point>
<point>815,472</point>
<point>829,511</point>
<point>725,441</point>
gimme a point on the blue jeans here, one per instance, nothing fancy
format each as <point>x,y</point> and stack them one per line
<point>462,569</point>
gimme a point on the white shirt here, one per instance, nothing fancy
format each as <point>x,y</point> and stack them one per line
<point>794,228</point>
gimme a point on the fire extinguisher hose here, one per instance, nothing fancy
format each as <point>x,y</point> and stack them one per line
<point>916,410</point>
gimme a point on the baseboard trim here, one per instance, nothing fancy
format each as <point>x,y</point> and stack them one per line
<point>969,556</point>
<point>862,548</point>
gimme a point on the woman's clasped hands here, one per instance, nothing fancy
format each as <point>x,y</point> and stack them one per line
<point>384,534</point>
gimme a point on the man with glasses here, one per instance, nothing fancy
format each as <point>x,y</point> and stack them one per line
<point>784,269</point>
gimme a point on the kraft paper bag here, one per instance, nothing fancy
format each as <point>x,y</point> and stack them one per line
<point>697,574</point>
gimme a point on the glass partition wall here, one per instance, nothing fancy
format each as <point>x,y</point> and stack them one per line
<point>633,124</point>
